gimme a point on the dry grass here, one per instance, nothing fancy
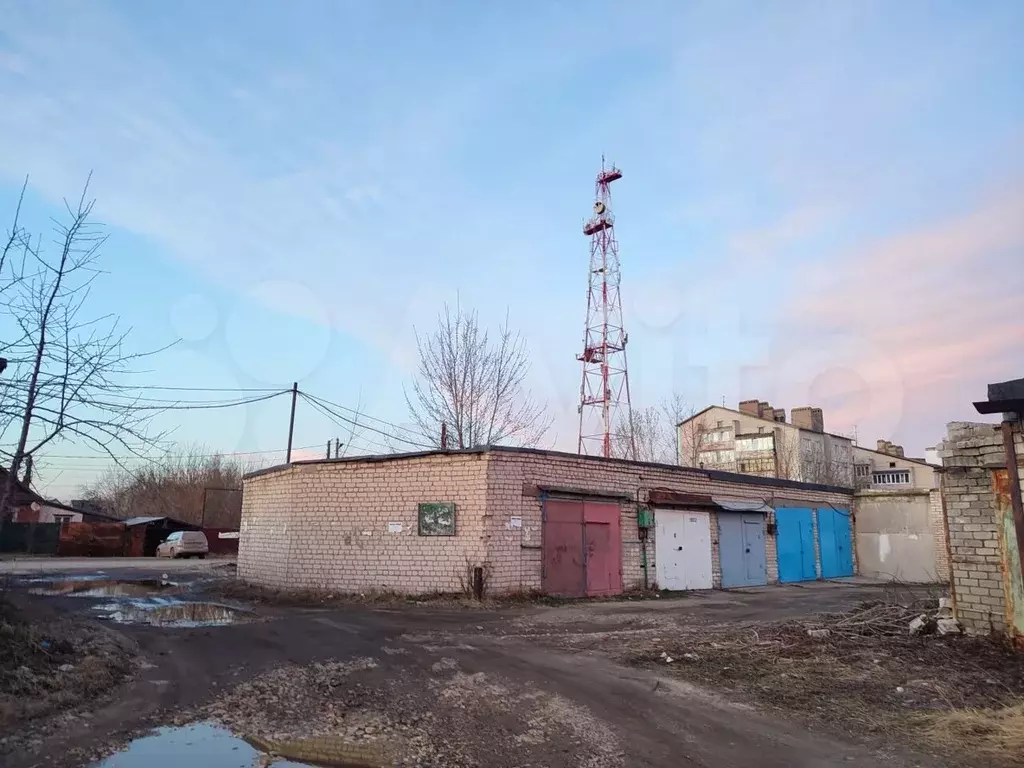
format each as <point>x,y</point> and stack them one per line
<point>866,678</point>
<point>994,734</point>
<point>50,665</point>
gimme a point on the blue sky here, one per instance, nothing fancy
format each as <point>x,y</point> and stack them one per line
<point>821,201</point>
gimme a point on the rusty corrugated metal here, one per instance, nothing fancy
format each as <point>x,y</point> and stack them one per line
<point>1013,581</point>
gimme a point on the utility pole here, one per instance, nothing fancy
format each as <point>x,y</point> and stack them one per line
<point>291,422</point>
<point>444,435</point>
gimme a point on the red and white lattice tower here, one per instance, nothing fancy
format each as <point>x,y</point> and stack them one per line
<point>604,392</point>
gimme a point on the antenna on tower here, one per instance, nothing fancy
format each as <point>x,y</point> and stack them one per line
<point>605,386</point>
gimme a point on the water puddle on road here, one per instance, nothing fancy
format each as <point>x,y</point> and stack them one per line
<point>204,745</point>
<point>175,614</point>
<point>107,588</point>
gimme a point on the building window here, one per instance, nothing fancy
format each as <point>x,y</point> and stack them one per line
<point>862,470</point>
<point>718,424</point>
<point>717,457</point>
<point>437,519</point>
<point>760,429</point>
<point>62,519</point>
<point>755,443</point>
<point>891,477</point>
<point>892,465</point>
<point>743,466</point>
<point>716,436</point>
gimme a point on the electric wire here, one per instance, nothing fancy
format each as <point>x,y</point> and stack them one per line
<point>330,405</point>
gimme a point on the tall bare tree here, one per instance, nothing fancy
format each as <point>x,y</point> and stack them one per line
<point>64,364</point>
<point>475,384</point>
<point>194,487</point>
<point>656,432</point>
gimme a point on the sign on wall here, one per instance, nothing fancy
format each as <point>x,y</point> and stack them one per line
<point>437,518</point>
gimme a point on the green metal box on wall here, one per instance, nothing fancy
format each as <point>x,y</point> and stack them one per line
<point>644,517</point>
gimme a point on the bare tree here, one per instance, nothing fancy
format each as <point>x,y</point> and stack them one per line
<point>657,433</point>
<point>194,487</point>
<point>64,366</point>
<point>474,384</point>
<point>646,428</point>
<point>690,430</point>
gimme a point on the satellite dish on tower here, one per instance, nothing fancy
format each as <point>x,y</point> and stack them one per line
<point>599,208</point>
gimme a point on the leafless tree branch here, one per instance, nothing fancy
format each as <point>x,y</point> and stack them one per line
<point>474,384</point>
<point>63,364</point>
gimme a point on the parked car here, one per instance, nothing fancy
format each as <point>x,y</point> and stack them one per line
<point>184,544</point>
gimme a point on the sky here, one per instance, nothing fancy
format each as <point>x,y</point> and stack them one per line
<point>821,203</point>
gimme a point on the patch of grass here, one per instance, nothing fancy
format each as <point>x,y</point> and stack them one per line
<point>996,734</point>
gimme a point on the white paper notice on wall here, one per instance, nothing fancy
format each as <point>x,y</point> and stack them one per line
<point>515,523</point>
<point>394,527</point>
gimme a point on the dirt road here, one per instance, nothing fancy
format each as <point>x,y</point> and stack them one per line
<point>444,685</point>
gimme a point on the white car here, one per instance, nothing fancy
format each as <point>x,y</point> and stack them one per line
<point>184,544</point>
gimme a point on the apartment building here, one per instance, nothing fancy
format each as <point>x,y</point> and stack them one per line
<point>756,439</point>
<point>887,468</point>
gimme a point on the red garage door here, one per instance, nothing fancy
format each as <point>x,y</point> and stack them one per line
<point>582,548</point>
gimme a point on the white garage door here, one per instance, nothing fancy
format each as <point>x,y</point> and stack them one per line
<point>682,549</point>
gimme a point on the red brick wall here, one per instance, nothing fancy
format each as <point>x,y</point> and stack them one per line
<point>92,540</point>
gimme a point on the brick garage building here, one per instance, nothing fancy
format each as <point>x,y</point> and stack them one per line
<point>988,587</point>
<point>533,521</point>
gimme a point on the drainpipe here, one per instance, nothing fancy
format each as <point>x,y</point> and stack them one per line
<point>642,534</point>
<point>1013,471</point>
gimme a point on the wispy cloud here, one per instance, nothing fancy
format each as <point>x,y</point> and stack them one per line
<point>897,327</point>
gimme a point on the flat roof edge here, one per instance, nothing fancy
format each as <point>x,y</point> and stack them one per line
<point>712,474</point>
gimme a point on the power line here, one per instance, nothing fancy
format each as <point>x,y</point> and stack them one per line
<point>321,409</point>
<point>361,415</point>
<point>47,457</point>
<point>317,401</point>
<point>176,405</point>
<point>163,388</point>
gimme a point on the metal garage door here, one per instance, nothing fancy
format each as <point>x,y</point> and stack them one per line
<point>682,549</point>
<point>741,549</point>
<point>795,543</point>
<point>834,539</point>
<point>582,546</point>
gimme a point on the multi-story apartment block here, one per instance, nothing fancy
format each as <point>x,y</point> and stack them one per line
<point>756,439</point>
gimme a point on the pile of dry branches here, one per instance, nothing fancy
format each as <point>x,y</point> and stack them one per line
<point>870,620</point>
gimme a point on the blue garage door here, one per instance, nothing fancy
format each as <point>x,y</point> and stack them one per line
<point>834,537</point>
<point>795,529</point>
<point>741,549</point>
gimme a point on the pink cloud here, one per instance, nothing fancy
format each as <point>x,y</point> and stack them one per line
<point>898,335</point>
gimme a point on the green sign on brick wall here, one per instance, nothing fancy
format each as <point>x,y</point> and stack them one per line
<point>437,518</point>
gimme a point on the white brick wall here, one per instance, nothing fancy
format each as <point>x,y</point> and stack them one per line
<point>324,525</point>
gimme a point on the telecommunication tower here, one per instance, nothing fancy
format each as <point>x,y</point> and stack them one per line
<point>604,391</point>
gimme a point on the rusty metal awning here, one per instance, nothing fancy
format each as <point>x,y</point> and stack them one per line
<point>738,505</point>
<point>666,497</point>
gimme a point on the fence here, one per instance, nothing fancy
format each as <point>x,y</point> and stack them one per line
<point>219,546</point>
<point>30,538</point>
<point>95,540</point>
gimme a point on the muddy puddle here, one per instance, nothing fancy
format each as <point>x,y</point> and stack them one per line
<point>107,588</point>
<point>204,745</point>
<point>169,613</point>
